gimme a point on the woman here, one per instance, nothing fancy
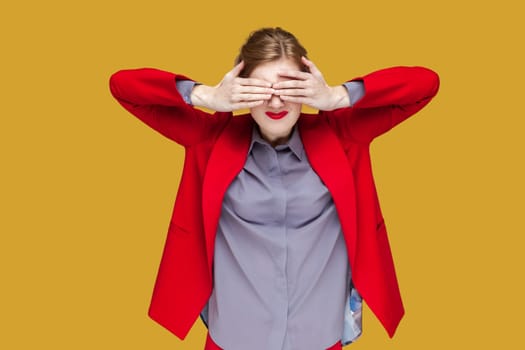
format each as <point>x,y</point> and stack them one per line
<point>276,232</point>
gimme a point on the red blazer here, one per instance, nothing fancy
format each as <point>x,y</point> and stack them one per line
<point>216,147</point>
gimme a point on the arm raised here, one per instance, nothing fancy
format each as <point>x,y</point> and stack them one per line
<point>391,96</point>
<point>151,95</point>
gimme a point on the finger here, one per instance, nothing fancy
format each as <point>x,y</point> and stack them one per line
<point>296,74</point>
<point>250,89</point>
<point>294,92</point>
<point>311,66</point>
<point>253,82</point>
<point>250,97</point>
<point>295,99</point>
<point>290,84</point>
<point>244,105</point>
<point>236,70</point>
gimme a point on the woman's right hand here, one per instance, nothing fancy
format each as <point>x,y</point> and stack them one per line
<point>232,93</point>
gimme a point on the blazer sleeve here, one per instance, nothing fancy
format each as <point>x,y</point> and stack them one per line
<point>151,95</point>
<point>391,96</point>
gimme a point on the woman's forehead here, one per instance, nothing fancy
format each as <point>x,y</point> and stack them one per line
<point>270,71</point>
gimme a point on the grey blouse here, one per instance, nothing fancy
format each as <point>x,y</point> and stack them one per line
<point>281,273</point>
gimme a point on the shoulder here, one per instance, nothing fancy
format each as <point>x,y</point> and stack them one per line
<point>229,130</point>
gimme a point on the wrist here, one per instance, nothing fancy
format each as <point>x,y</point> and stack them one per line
<point>340,97</point>
<point>200,95</point>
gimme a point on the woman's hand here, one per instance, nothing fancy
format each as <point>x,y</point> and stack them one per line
<point>311,89</point>
<point>232,93</point>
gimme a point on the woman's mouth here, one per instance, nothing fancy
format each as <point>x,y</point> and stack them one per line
<point>277,115</point>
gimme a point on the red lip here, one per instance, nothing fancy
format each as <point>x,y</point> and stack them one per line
<point>277,115</point>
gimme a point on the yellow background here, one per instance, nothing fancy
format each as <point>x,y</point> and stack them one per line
<point>87,189</point>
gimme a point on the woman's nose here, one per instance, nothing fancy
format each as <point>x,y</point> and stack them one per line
<point>275,102</point>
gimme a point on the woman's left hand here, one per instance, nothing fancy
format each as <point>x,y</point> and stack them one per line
<point>311,89</point>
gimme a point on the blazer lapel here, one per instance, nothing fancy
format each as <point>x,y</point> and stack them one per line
<point>227,159</point>
<point>328,159</point>
<point>326,156</point>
